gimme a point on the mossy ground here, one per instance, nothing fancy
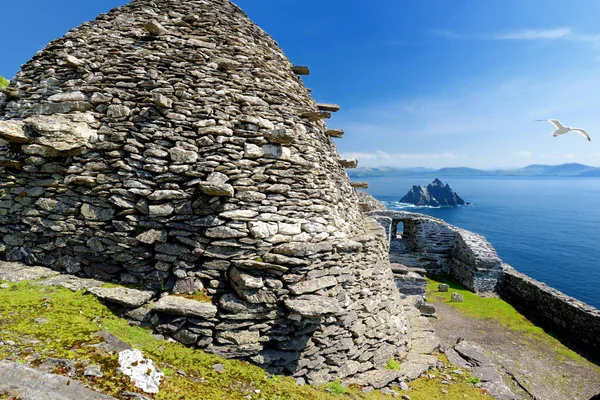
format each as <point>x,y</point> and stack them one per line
<point>498,310</point>
<point>38,324</point>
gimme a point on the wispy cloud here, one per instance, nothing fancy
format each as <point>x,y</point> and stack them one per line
<point>562,33</point>
<point>524,154</point>
<point>382,156</point>
<point>533,34</point>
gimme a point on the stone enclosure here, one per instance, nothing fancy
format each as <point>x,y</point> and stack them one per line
<point>441,249</point>
<point>172,146</point>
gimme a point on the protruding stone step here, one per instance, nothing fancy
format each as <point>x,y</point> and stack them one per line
<point>313,116</point>
<point>328,107</point>
<point>349,162</point>
<point>336,133</point>
<point>300,70</point>
<point>359,185</point>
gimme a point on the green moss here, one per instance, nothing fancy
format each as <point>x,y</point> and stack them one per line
<point>393,365</point>
<point>41,322</point>
<point>335,387</point>
<point>3,82</point>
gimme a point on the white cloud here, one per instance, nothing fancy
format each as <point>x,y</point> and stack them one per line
<point>384,156</point>
<point>563,33</point>
<point>533,34</point>
<point>524,154</point>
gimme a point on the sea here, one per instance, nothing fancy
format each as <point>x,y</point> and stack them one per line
<point>545,227</point>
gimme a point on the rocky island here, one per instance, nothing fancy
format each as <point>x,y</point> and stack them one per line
<point>435,194</point>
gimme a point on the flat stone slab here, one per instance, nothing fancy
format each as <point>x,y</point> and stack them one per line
<point>31,384</point>
<point>121,295</point>
<point>313,306</point>
<point>415,365</point>
<point>70,282</point>
<point>472,353</point>
<point>375,378</point>
<point>335,133</point>
<point>328,107</point>
<point>348,163</point>
<point>17,272</point>
<point>301,70</point>
<point>186,307</point>
<point>359,185</point>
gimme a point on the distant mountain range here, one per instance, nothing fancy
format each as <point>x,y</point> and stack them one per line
<point>572,169</point>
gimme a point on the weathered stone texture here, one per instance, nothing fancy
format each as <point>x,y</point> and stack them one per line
<point>171,145</point>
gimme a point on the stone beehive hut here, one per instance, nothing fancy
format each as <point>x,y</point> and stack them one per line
<point>169,144</point>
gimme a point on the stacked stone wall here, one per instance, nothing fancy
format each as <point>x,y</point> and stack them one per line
<point>442,249</point>
<point>171,145</point>
<point>577,322</point>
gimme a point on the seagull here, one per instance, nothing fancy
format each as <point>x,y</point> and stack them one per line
<point>561,129</point>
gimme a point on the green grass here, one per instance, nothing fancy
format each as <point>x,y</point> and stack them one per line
<point>503,313</point>
<point>3,82</point>
<point>335,387</point>
<point>37,323</point>
<point>393,365</point>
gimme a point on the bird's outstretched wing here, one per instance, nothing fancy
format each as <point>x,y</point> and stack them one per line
<point>556,123</point>
<point>583,133</point>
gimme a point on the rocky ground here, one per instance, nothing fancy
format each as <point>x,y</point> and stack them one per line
<point>533,369</point>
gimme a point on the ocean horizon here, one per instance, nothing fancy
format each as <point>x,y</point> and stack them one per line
<point>545,227</point>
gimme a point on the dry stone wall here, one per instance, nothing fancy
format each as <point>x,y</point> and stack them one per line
<point>441,249</point>
<point>576,321</point>
<point>170,145</point>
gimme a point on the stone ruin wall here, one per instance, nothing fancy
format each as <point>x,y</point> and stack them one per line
<point>441,249</point>
<point>170,145</point>
<point>578,323</point>
<point>472,260</point>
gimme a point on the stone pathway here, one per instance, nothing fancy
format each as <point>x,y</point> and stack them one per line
<point>533,370</point>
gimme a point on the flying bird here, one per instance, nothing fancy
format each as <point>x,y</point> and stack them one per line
<point>561,129</point>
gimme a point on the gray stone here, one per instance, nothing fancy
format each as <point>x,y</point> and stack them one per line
<point>121,295</point>
<point>162,100</point>
<point>328,107</point>
<point>152,236</point>
<point>181,155</point>
<point>457,297</point>
<point>238,337</point>
<point>70,282</point>
<point>310,286</point>
<point>70,96</point>
<point>300,249</point>
<point>31,384</point>
<point>245,281</point>
<point>375,378</point>
<point>215,185</point>
<point>16,272</point>
<point>444,287</point>
<point>93,370</point>
<point>118,111</point>
<point>110,343</point>
<point>13,131</point>
<point>472,353</point>
<point>94,213</point>
<point>349,163</point>
<point>162,210</point>
<point>281,136</point>
<point>185,307</point>
<point>313,306</point>
<point>155,28</point>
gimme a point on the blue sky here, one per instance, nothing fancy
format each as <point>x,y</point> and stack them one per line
<point>431,83</point>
